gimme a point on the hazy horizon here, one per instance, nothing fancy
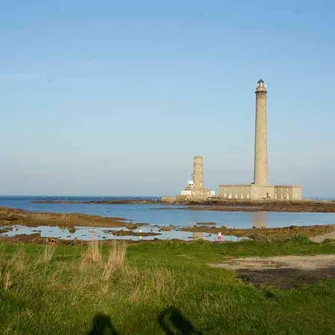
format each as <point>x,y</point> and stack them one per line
<point>117,196</point>
<point>116,98</point>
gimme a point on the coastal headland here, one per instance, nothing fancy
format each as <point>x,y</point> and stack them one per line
<point>124,201</point>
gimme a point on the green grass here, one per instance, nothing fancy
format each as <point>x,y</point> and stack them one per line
<point>157,287</point>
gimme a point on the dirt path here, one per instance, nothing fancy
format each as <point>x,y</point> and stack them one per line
<point>284,272</point>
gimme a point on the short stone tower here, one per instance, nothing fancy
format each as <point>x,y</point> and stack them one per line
<point>195,189</point>
<point>261,147</point>
<point>198,173</point>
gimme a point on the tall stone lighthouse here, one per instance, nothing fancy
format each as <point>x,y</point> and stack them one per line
<point>261,147</point>
<point>260,188</point>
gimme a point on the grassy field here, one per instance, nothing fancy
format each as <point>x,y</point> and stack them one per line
<point>162,288</point>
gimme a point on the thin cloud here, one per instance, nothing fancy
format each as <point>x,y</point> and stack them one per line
<point>22,76</point>
<point>83,69</point>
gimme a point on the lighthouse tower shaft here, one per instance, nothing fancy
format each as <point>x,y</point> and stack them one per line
<point>261,147</point>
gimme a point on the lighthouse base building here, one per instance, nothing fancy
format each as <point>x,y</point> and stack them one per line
<point>256,192</point>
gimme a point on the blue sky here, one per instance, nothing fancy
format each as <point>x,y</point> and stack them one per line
<point>109,97</point>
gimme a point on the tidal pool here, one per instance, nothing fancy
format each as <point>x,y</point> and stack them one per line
<point>105,233</point>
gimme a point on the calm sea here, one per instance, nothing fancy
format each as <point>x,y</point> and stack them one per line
<point>151,213</point>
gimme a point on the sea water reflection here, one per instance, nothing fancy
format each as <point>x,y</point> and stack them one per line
<point>259,219</point>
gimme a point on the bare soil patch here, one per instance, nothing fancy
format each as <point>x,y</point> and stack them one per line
<point>322,238</point>
<point>283,272</point>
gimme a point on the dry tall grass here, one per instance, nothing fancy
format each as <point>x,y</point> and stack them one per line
<point>7,281</point>
<point>92,254</point>
<point>116,259</point>
<point>47,254</point>
<point>13,268</point>
<point>18,262</point>
<point>146,284</point>
<point>91,274</point>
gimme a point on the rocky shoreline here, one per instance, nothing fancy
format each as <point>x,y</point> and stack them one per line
<point>265,233</point>
<point>11,216</point>
<point>302,206</point>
